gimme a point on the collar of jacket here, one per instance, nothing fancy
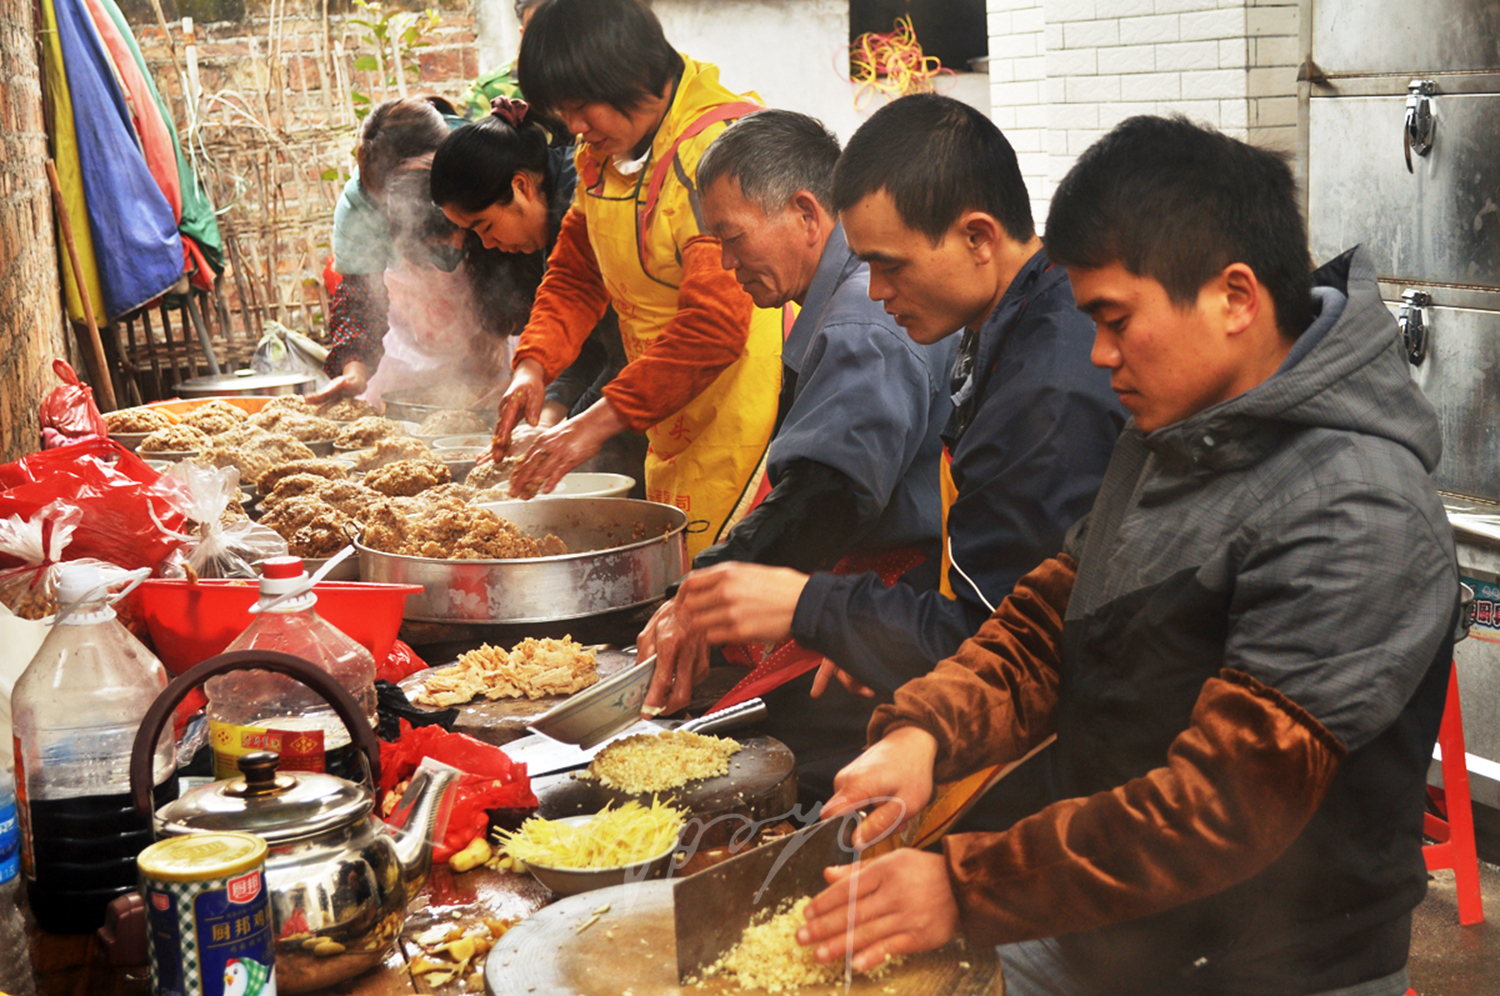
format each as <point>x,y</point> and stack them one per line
<point>834,267</point>
<point>980,348</point>
<point>1352,377</point>
<point>698,92</point>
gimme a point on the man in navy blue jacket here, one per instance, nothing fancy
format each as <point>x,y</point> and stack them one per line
<point>854,461</point>
<point>931,197</point>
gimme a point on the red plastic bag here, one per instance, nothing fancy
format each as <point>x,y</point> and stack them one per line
<point>401,662</point>
<point>69,414</point>
<point>123,522</point>
<point>490,780</point>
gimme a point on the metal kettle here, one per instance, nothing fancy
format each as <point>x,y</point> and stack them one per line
<point>339,878</point>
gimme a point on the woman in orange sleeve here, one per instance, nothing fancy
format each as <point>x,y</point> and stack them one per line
<point>704,369</point>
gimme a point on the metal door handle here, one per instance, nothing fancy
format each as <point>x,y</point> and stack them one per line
<point>1417,133</point>
<point>1413,328</point>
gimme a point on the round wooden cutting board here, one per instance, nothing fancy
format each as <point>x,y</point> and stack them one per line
<point>632,949</point>
<point>760,787</point>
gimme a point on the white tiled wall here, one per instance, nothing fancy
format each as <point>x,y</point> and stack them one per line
<point>1018,89</point>
<point>1063,72</point>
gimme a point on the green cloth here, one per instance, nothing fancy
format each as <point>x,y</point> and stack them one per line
<point>198,220</point>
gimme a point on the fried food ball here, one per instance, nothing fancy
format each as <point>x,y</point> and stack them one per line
<point>330,470</point>
<point>137,420</point>
<point>406,478</point>
<point>174,439</point>
<point>293,486</point>
<point>365,431</point>
<point>346,410</point>
<point>391,449</point>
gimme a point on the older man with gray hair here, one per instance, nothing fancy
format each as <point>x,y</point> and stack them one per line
<point>854,461</point>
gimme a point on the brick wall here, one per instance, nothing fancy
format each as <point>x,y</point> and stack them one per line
<point>1075,68</point>
<point>31,328</point>
<point>274,118</point>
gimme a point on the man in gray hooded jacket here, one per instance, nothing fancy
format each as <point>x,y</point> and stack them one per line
<point>1243,649</point>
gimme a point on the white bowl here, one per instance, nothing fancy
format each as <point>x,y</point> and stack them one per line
<point>592,485</point>
<point>596,713</point>
<point>460,442</point>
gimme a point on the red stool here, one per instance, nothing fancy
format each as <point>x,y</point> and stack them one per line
<point>1454,830</point>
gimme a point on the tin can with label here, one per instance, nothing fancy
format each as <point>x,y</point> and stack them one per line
<point>209,916</point>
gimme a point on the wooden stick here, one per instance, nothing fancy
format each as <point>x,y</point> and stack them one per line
<point>98,366</point>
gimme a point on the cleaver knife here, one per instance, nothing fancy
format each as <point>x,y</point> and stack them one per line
<point>712,908</point>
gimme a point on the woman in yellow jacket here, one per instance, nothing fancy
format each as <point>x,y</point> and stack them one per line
<point>704,370</point>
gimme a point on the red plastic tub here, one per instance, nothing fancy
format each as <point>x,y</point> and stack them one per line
<point>191,622</point>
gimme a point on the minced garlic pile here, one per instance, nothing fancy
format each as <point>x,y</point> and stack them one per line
<point>647,763</point>
<point>534,668</point>
<point>768,956</point>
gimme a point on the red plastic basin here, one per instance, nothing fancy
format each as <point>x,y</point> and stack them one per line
<point>192,622</point>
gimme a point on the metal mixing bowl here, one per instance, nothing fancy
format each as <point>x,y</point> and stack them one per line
<point>417,404</point>
<point>629,552</point>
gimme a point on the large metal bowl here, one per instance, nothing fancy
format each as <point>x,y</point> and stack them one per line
<point>246,382</point>
<point>629,552</point>
<point>415,405</point>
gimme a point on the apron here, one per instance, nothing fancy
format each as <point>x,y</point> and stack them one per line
<point>434,336</point>
<point>950,800</point>
<point>709,458</point>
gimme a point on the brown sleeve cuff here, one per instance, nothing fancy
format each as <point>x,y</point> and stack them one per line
<point>706,335</point>
<point>993,700</point>
<point>1238,786</point>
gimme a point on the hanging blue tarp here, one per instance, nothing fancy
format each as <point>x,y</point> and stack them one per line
<point>134,231</point>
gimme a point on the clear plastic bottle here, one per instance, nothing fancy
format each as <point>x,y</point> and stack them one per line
<point>15,969</point>
<point>74,713</point>
<point>256,710</point>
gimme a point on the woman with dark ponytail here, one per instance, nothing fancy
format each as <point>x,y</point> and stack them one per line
<point>509,179</point>
<point>704,368</point>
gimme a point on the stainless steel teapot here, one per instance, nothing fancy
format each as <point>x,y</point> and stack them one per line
<point>339,878</point>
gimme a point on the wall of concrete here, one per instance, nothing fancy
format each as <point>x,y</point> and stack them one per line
<point>31,324</point>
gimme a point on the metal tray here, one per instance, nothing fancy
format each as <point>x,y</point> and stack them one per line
<point>630,552</point>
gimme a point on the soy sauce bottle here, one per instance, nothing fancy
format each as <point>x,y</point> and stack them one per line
<point>74,715</point>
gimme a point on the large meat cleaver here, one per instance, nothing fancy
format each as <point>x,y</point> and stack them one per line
<point>712,908</point>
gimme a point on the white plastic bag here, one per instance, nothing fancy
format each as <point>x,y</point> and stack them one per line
<point>284,351</point>
<point>217,550</point>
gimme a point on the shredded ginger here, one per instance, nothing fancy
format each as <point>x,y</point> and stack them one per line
<point>612,839</point>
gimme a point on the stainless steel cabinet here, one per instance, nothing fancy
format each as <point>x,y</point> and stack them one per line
<point>1402,115</point>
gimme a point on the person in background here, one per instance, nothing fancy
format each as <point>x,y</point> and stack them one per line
<point>508,179</point>
<point>854,461</point>
<point>930,196</point>
<point>393,132</point>
<point>704,365</point>
<point>454,305</point>
<point>1243,651</point>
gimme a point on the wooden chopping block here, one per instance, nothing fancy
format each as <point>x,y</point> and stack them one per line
<point>632,947</point>
<point>760,787</point>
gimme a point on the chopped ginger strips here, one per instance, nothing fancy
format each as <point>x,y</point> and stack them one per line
<point>612,839</point>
